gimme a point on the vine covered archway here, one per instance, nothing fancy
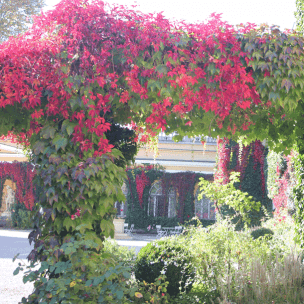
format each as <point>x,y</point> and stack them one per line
<point>86,68</point>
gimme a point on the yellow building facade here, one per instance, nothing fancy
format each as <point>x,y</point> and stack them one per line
<point>11,152</point>
<point>186,155</point>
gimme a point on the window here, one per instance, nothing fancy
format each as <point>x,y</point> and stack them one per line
<point>157,205</point>
<point>204,209</point>
<point>155,199</point>
<point>172,203</point>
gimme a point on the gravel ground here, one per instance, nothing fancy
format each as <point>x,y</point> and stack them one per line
<point>12,288</point>
<point>12,242</point>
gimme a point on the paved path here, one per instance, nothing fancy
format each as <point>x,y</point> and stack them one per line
<point>12,288</point>
<point>12,242</point>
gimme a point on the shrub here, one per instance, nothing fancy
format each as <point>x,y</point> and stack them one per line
<point>271,281</point>
<point>262,232</point>
<point>151,292</point>
<point>87,276</point>
<point>223,255</point>
<point>241,205</point>
<point>21,216</point>
<point>168,256</point>
<point>195,221</point>
<point>121,254</point>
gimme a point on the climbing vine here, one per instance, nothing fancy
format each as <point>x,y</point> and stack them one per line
<point>183,184</point>
<point>281,181</point>
<point>249,161</point>
<point>141,182</point>
<point>87,66</point>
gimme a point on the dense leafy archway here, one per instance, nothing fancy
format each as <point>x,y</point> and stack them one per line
<point>85,67</point>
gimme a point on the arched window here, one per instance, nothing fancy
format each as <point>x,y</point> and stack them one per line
<point>156,205</point>
<point>155,199</point>
<point>172,203</point>
<point>204,209</point>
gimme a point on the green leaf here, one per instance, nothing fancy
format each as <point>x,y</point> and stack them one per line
<point>68,223</point>
<point>157,55</point>
<point>153,84</point>
<point>68,126</point>
<point>119,294</point>
<point>162,69</point>
<point>75,102</point>
<point>16,271</point>
<point>48,132</point>
<point>273,96</point>
<point>287,84</point>
<point>107,227</point>
<point>60,142</point>
<point>126,274</point>
<point>38,147</point>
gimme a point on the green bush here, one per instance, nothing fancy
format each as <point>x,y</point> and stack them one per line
<point>195,221</point>
<point>170,257</point>
<point>223,257</point>
<point>198,294</point>
<point>87,276</point>
<point>155,292</point>
<point>21,217</point>
<point>262,232</point>
<point>121,254</point>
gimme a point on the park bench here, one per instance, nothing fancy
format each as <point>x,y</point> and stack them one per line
<point>128,230</point>
<point>160,231</point>
<point>177,230</point>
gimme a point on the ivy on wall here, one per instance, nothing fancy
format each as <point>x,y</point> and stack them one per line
<point>139,182</point>
<point>22,174</point>
<point>281,180</point>
<point>251,162</point>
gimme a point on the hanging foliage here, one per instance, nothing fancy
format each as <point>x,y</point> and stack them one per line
<point>141,182</point>
<point>281,181</point>
<point>250,162</point>
<point>22,174</point>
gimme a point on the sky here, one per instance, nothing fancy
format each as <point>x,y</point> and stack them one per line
<point>278,12</point>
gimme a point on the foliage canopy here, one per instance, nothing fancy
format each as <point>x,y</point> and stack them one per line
<point>204,78</point>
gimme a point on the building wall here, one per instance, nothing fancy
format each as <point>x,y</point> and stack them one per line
<point>11,152</point>
<point>187,155</point>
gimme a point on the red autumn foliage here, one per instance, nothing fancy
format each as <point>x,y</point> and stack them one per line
<point>285,181</point>
<point>103,58</point>
<point>22,175</point>
<point>141,182</point>
<point>256,149</point>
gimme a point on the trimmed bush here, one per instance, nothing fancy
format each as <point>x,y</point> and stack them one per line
<point>262,232</point>
<point>168,256</point>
